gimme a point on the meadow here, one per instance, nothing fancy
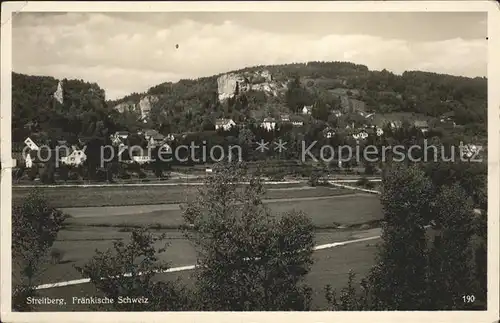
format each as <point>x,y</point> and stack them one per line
<point>337,214</point>
<point>63,197</point>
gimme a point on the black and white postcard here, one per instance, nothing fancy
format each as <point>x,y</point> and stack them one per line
<point>250,161</point>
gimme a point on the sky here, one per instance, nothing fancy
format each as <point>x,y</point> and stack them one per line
<point>130,52</point>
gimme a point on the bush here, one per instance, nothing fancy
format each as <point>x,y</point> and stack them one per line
<point>56,255</point>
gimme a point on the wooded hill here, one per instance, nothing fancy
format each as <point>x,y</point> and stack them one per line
<point>193,105</point>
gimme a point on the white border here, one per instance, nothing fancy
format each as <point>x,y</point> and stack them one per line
<point>492,315</point>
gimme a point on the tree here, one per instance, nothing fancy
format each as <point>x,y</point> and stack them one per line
<point>320,111</point>
<point>398,280</point>
<point>450,262</point>
<point>296,96</point>
<point>35,225</point>
<point>248,260</point>
<point>129,269</point>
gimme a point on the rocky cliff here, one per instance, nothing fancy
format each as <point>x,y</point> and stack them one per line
<point>143,106</point>
<point>229,84</point>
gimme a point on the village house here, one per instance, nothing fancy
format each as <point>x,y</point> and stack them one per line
<point>119,137</point>
<point>28,161</point>
<point>357,106</point>
<point>396,124</point>
<point>470,150</point>
<point>422,125</point>
<point>337,113</point>
<point>447,119</point>
<point>328,132</point>
<point>156,139</point>
<point>170,137</point>
<point>224,124</point>
<point>148,133</point>
<point>307,109</point>
<point>296,121</point>
<point>75,158</point>
<point>31,144</point>
<point>269,124</point>
<point>379,131</point>
<point>141,159</point>
<point>285,118</point>
<point>363,135</point>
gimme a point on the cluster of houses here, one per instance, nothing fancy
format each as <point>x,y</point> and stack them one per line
<point>75,156</point>
<point>153,138</point>
<point>71,156</point>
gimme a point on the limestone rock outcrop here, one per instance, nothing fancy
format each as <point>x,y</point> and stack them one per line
<point>232,83</point>
<point>143,107</point>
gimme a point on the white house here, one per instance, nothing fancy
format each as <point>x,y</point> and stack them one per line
<point>396,124</point>
<point>225,124</point>
<point>470,150</point>
<point>307,109</point>
<point>75,158</point>
<point>328,132</point>
<point>141,159</point>
<point>156,140</point>
<point>285,118</point>
<point>269,124</point>
<point>337,113</point>
<point>363,135</point>
<point>165,148</point>
<point>28,161</point>
<point>31,144</point>
<point>119,137</point>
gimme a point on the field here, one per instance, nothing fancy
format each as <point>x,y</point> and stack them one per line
<point>331,266</point>
<point>326,212</point>
<point>63,197</point>
<point>338,215</point>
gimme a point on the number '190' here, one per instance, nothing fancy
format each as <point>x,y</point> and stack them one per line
<point>469,298</point>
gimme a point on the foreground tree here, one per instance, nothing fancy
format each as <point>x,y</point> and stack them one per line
<point>129,269</point>
<point>397,282</point>
<point>450,263</point>
<point>248,259</point>
<point>35,225</point>
<point>426,258</point>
